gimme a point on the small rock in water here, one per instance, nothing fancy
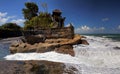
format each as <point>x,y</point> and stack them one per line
<point>116,47</point>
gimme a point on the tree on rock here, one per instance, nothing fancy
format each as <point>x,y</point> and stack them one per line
<point>42,21</point>
<point>30,11</point>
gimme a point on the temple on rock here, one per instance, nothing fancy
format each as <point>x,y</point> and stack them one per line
<point>58,19</point>
<point>57,31</point>
<point>58,38</point>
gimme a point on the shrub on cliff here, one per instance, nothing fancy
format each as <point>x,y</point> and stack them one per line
<point>42,21</point>
<point>34,20</point>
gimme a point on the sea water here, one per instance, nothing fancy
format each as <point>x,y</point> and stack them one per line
<point>4,50</point>
<point>102,56</point>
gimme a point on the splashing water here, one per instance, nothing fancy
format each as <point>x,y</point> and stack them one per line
<point>100,53</point>
<point>102,56</point>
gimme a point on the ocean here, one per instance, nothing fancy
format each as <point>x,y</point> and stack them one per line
<point>101,56</point>
<point>4,50</point>
<point>114,37</point>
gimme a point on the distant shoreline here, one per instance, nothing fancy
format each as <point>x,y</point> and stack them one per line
<point>9,40</point>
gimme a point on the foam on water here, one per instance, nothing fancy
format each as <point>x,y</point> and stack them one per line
<point>50,56</point>
<point>101,54</point>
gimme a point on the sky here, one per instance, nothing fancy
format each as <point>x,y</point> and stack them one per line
<point>87,16</point>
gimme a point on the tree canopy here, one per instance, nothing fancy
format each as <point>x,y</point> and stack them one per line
<point>42,21</point>
<point>10,26</point>
<point>30,11</point>
<point>33,19</point>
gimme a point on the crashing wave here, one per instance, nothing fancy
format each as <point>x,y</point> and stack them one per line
<point>99,55</point>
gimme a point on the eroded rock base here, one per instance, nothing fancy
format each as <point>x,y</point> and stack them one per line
<point>60,45</point>
<point>32,67</point>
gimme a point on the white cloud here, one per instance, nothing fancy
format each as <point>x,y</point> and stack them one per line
<point>87,29</point>
<point>3,14</point>
<point>83,29</point>
<point>69,25</point>
<point>101,28</point>
<point>18,21</point>
<point>4,18</point>
<point>105,19</point>
<point>118,26</point>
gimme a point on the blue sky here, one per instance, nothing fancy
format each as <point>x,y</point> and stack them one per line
<point>87,16</point>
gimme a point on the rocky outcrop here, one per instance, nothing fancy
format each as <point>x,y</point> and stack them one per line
<point>61,45</point>
<point>83,42</point>
<point>33,67</point>
<point>53,33</point>
<point>65,49</point>
<point>34,39</point>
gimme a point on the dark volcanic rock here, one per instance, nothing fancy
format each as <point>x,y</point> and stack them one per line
<point>32,67</point>
<point>11,67</point>
<point>35,39</point>
<point>117,47</point>
<point>66,49</point>
<point>83,42</point>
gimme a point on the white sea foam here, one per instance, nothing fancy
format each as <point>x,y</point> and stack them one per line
<point>100,54</point>
<point>50,56</point>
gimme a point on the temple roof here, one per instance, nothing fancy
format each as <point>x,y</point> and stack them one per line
<point>57,10</point>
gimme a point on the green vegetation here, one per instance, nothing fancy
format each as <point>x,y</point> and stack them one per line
<point>34,20</point>
<point>10,30</point>
<point>30,11</point>
<point>10,26</point>
<point>39,22</point>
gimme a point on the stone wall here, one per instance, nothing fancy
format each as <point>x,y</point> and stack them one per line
<point>66,32</point>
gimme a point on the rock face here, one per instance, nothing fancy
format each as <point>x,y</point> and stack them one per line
<point>84,42</point>
<point>60,45</point>
<point>66,49</point>
<point>34,39</point>
<point>53,33</point>
<point>33,67</point>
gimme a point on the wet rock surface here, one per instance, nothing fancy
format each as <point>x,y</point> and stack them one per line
<point>60,45</point>
<point>32,67</point>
